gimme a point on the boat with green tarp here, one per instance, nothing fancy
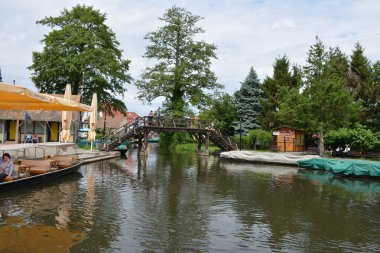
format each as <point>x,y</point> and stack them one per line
<point>343,167</point>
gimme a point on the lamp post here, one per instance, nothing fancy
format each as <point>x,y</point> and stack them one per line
<point>104,126</point>
<point>240,132</point>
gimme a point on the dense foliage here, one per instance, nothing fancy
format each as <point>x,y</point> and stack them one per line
<point>82,50</point>
<point>261,138</point>
<point>222,113</point>
<point>359,138</point>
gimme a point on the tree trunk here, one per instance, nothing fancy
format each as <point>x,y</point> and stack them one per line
<point>321,142</point>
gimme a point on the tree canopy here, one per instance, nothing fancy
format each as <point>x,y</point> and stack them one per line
<point>222,113</point>
<point>183,73</point>
<point>82,50</point>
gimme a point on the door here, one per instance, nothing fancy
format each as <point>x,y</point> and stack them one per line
<point>54,131</point>
<point>11,130</point>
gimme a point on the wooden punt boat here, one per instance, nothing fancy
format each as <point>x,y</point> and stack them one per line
<point>38,178</point>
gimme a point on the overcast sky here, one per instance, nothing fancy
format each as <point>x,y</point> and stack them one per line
<point>246,32</point>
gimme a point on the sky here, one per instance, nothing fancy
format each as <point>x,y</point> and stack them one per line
<point>247,33</point>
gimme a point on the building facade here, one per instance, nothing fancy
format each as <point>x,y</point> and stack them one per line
<point>46,125</point>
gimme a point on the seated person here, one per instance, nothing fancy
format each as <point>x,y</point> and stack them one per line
<point>346,150</point>
<point>338,151</point>
<point>6,167</point>
<point>35,138</point>
<point>28,138</point>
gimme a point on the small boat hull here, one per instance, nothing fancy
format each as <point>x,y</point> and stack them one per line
<point>36,179</point>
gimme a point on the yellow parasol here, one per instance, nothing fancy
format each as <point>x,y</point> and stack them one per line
<point>22,99</point>
<point>18,98</point>
<point>66,117</point>
<point>93,118</point>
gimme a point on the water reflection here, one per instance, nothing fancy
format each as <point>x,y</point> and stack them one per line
<point>190,203</point>
<point>367,188</point>
<point>39,217</point>
<point>18,235</point>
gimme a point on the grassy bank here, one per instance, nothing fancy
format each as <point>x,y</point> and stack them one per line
<point>192,147</point>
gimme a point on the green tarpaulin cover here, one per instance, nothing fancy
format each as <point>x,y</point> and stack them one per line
<point>345,167</point>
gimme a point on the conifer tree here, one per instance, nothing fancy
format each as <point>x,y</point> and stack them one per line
<point>374,124</point>
<point>248,102</point>
<point>327,103</point>
<point>360,70</point>
<point>362,86</point>
<point>275,89</point>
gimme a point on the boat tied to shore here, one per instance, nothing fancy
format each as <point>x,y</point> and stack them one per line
<point>33,171</point>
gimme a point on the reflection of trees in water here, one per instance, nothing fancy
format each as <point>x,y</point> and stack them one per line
<point>102,206</point>
<point>174,206</point>
<point>298,214</point>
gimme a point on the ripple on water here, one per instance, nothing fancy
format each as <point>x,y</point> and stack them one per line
<point>185,203</point>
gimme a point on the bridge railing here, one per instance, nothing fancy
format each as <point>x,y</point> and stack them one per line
<point>155,123</point>
<point>168,122</point>
<point>115,135</point>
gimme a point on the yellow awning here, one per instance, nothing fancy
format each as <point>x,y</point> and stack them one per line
<point>19,98</point>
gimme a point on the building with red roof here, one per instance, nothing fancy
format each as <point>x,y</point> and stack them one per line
<point>116,120</point>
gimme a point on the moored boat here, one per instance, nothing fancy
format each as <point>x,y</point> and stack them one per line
<point>31,172</point>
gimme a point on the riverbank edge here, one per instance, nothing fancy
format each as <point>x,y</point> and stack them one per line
<point>100,157</point>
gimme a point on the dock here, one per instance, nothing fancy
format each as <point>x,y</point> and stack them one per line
<point>283,158</point>
<point>87,158</point>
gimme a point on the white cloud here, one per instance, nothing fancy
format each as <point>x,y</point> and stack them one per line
<point>247,33</point>
<point>283,23</point>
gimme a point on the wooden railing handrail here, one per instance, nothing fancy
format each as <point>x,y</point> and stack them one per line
<point>147,122</point>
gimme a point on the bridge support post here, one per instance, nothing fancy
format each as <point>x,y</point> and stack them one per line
<point>143,144</point>
<point>203,139</point>
<point>199,147</point>
<point>207,137</point>
<point>146,140</point>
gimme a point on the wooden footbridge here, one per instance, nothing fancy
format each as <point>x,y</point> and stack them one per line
<point>140,130</point>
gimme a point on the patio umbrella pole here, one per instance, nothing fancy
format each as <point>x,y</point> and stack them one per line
<point>17,126</point>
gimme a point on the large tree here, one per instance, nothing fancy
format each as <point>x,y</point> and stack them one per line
<point>374,122</point>
<point>327,103</point>
<point>82,50</point>
<point>275,89</point>
<point>182,74</point>
<point>248,101</point>
<point>362,86</point>
<point>360,68</point>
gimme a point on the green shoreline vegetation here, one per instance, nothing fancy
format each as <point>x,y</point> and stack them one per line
<point>333,95</point>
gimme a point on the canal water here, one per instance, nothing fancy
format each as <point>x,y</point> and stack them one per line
<point>188,203</point>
